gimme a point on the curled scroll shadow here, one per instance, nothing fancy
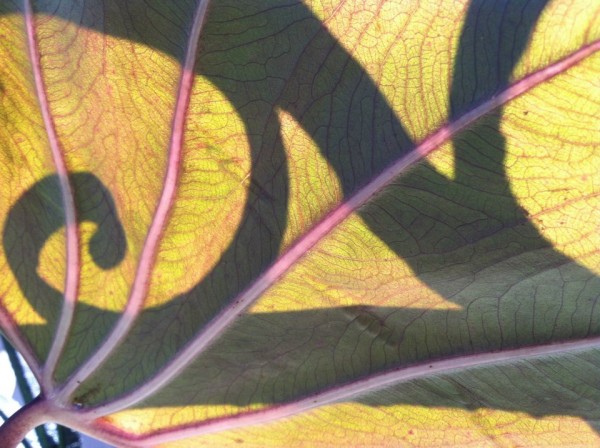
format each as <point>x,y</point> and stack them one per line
<point>318,82</point>
<point>35,217</point>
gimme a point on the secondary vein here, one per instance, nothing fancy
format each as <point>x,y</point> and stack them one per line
<point>355,389</point>
<point>148,255</point>
<point>71,285</point>
<point>217,327</point>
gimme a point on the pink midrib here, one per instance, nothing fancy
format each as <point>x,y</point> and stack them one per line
<point>72,238</point>
<point>148,255</point>
<point>217,327</point>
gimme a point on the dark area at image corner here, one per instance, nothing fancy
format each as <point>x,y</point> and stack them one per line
<point>47,436</point>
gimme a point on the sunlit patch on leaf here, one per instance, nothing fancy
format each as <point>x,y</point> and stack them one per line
<point>48,264</point>
<point>443,160</point>
<point>212,192</point>
<point>314,186</point>
<point>411,426</point>
<point>553,162</point>
<point>351,267</point>
<point>413,73</point>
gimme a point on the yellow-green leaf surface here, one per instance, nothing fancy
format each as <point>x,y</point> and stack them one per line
<point>282,223</point>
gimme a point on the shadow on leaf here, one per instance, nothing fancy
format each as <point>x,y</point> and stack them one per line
<point>467,239</point>
<point>36,216</point>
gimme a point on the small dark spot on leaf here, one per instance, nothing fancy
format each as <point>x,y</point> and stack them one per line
<point>239,441</point>
<point>410,432</point>
<point>86,396</point>
<point>525,112</point>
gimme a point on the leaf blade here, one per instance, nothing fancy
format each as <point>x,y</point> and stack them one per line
<point>488,244</point>
<point>139,287</point>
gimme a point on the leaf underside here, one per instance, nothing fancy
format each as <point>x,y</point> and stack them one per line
<point>276,223</point>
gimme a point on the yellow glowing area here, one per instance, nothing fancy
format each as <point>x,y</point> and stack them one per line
<point>213,190</point>
<point>140,421</point>
<point>553,163</point>
<point>351,267</point>
<point>51,261</point>
<point>403,68</point>
<point>99,287</point>
<point>314,187</point>
<point>444,161</point>
<point>357,425</point>
<point>24,160</point>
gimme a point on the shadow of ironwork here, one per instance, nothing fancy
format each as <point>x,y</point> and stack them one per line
<point>406,216</point>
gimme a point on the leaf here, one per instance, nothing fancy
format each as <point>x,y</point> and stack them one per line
<point>289,224</point>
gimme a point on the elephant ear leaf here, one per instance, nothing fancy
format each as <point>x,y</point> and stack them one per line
<point>281,223</point>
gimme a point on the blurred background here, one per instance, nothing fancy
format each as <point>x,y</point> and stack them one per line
<point>18,386</point>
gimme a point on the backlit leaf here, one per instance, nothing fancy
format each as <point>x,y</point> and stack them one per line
<point>283,223</point>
